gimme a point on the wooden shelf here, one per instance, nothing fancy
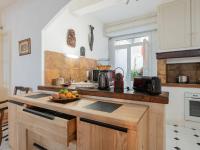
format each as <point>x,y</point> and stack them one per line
<point>181,85</point>
<point>178,54</point>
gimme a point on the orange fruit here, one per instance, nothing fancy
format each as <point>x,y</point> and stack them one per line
<point>62,96</point>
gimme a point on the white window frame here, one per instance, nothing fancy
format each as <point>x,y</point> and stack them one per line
<point>148,62</point>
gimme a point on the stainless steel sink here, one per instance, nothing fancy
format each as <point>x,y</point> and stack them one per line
<point>40,95</point>
<point>104,106</point>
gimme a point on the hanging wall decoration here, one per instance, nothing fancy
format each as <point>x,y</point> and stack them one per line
<point>91,37</point>
<point>71,38</point>
<point>25,47</point>
<point>82,51</point>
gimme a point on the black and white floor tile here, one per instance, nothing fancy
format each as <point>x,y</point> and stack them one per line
<point>182,138</point>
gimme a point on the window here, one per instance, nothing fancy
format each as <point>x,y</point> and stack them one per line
<point>137,61</point>
<point>120,54</point>
<point>141,39</point>
<point>122,42</point>
<point>130,54</point>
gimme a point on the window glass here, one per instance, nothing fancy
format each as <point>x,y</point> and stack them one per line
<point>121,60</point>
<point>132,55</point>
<point>122,42</point>
<point>140,39</point>
<point>137,61</point>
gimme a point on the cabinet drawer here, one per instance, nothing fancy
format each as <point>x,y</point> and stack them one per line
<point>51,125</point>
<point>39,142</point>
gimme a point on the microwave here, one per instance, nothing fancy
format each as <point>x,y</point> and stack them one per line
<point>94,75</point>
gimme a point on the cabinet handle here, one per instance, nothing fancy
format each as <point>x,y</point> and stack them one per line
<point>38,113</point>
<point>104,125</point>
<point>39,146</point>
<point>16,103</point>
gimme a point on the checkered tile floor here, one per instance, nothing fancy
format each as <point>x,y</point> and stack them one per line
<point>182,138</point>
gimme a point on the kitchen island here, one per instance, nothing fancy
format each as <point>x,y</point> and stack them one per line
<point>38,123</point>
<point>138,124</point>
<point>156,104</point>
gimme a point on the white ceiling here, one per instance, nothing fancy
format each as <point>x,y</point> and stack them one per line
<point>122,11</point>
<point>5,3</point>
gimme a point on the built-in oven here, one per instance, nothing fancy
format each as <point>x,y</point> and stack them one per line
<point>192,107</point>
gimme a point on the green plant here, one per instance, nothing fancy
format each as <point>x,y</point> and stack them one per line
<point>134,73</point>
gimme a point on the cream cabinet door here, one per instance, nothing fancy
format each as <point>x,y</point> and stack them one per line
<point>195,23</point>
<point>174,25</point>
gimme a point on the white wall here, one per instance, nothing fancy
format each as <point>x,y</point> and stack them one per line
<point>175,108</point>
<point>26,19</point>
<point>0,19</point>
<point>133,25</point>
<point>54,35</point>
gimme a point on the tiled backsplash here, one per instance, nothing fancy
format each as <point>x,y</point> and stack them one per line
<point>58,65</point>
<point>168,72</point>
<point>187,69</point>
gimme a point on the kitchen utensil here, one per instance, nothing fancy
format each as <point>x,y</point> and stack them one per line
<point>94,74</point>
<point>182,79</point>
<point>60,81</point>
<point>119,81</point>
<point>103,81</point>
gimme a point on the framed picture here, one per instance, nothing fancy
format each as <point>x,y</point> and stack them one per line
<point>25,47</point>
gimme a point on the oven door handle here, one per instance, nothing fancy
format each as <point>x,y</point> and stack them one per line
<point>196,98</point>
<point>40,114</point>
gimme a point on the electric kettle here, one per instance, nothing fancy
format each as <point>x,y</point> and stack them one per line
<point>103,81</point>
<point>119,81</point>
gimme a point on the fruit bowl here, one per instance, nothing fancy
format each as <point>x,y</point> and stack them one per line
<point>65,96</point>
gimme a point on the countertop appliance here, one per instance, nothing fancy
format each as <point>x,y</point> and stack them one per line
<point>119,81</point>
<point>182,79</point>
<point>192,107</point>
<point>145,84</point>
<point>103,81</point>
<point>94,75</point>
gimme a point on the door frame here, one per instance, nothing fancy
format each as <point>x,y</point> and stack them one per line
<point>128,47</point>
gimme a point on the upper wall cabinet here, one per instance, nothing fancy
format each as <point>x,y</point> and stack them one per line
<point>174,21</point>
<point>195,23</point>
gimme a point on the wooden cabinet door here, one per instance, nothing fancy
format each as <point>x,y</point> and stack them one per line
<point>195,23</point>
<point>95,137</point>
<point>174,25</point>
<point>12,125</point>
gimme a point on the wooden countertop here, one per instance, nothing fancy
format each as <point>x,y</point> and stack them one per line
<point>127,95</point>
<point>181,85</point>
<point>127,116</point>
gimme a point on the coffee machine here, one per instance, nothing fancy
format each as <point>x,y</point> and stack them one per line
<point>119,81</point>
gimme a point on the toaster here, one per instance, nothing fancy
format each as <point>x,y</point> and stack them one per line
<point>145,84</point>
